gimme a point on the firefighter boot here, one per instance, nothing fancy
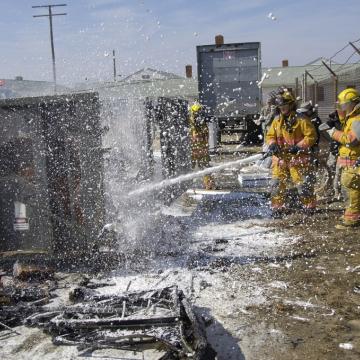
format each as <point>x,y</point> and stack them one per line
<point>347,225</point>
<point>209,183</point>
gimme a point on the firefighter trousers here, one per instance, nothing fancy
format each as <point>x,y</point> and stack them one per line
<point>284,177</point>
<point>350,180</point>
<point>202,161</point>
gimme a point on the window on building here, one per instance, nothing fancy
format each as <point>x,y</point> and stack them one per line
<point>320,93</point>
<point>146,77</point>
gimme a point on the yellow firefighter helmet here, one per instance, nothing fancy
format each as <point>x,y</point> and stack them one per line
<point>284,98</point>
<point>195,108</point>
<point>348,95</point>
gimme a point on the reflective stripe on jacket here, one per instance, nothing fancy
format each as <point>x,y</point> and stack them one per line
<point>344,162</point>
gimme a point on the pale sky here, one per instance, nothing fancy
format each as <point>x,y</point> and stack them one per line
<point>163,34</point>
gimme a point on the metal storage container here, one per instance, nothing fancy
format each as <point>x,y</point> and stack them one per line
<point>51,173</point>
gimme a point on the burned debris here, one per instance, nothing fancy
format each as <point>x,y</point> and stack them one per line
<point>162,319</point>
<point>24,292</point>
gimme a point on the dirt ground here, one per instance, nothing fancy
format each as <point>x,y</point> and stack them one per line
<point>312,306</point>
<point>315,300</point>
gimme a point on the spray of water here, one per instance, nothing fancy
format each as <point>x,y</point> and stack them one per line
<point>127,167</point>
<point>136,214</point>
<point>183,178</point>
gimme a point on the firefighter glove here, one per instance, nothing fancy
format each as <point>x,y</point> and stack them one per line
<point>274,149</point>
<point>331,123</point>
<point>294,149</point>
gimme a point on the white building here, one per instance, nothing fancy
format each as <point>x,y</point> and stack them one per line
<point>19,88</point>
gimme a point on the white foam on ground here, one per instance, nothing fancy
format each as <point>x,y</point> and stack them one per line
<point>237,226</point>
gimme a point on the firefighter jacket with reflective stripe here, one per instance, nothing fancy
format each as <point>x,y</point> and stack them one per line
<point>349,138</point>
<point>292,130</point>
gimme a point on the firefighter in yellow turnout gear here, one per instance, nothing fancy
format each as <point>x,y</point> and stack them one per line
<point>290,139</point>
<point>349,155</point>
<point>199,137</point>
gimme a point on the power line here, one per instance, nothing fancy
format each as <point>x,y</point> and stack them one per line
<point>50,16</point>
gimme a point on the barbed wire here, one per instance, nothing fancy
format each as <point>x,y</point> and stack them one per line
<point>348,67</point>
<point>342,49</point>
<point>332,57</point>
<point>315,73</point>
<point>345,66</point>
<point>348,59</point>
<point>342,67</point>
<point>340,76</point>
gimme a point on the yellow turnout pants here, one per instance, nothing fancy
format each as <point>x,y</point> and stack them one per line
<point>350,180</point>
<point>200,157</point>
<point>284,177</point>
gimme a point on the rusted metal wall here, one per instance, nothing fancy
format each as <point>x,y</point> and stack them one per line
<point>51,163</point>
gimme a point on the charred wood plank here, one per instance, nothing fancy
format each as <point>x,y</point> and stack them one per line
<point>23,271</point>
<point>40,318</point>
<point>202,350</point>
<point>9,328</point>
<point>113,323</point>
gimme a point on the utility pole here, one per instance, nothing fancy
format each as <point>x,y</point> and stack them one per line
<point>114,65</point>
<point>50,16</point>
